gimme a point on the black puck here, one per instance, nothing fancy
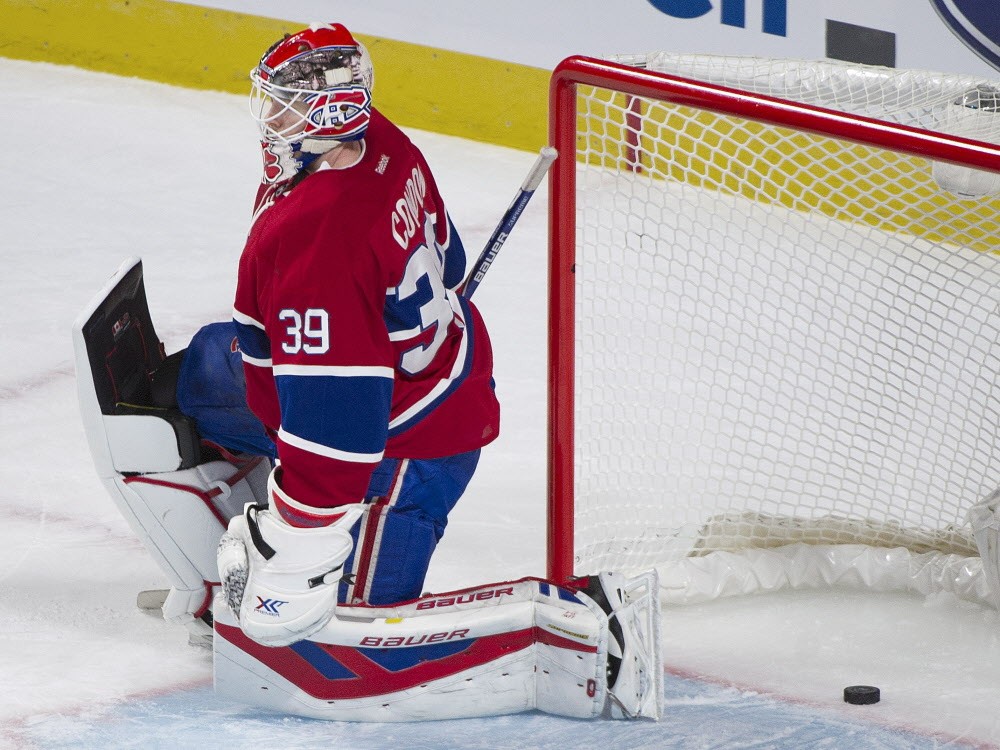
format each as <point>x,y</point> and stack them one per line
<point>862,695</point>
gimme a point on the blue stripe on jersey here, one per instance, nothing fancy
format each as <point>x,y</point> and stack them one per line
<point>349,414</point>
<point>404,315</point>
<point>466,368</point>
<point>253,341</point>
<point>454,258</point>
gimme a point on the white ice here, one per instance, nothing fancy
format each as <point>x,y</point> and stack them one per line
<point>98,168</point>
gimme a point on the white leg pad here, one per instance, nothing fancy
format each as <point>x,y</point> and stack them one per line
<point>148,456</point>
<point>497,649</point>
<point>179,518</point>
<point>635,609</point>
<point>561,673</point>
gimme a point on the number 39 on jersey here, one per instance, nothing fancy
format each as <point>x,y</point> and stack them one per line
<point>307,332</point>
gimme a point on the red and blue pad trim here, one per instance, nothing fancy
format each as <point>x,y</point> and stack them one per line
<point>389,665</point>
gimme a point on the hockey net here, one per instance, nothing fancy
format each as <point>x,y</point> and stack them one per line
<point>774,323</point>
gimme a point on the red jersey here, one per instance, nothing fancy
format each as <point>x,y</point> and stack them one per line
<point>355,344</point>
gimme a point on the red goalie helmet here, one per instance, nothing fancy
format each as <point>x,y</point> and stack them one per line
<point>311,92</point>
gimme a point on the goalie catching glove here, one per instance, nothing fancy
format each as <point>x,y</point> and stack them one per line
<point>280,581</point>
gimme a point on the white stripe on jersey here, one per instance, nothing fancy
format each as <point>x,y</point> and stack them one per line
<point>339,371</point>
<point>246,319</point>
<point>441,387</point>
<point>324,450</point>
<point>254,361</point>
<point>404,335</point>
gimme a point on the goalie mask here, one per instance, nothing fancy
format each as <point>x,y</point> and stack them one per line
<point>311,93</point>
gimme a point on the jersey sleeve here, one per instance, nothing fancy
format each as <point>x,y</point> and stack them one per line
<point>330,365</point>
<point>254,344</point>
<point>446,235</point>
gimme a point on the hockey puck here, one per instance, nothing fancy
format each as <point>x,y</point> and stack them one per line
<point>862,695</point>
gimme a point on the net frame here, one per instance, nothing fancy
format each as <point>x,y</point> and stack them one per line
<point>761,108</point>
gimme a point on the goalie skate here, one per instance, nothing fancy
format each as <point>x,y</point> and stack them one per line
<point>635,667</point>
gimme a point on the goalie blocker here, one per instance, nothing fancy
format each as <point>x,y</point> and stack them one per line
<point>583,651</point>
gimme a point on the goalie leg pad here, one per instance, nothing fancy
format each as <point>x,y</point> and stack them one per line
<point>176,497</point>
<point>179,516</point>
<point>635,688</point>
<point>564,673</point>
<point>635,666</point>
<point>497,649</point>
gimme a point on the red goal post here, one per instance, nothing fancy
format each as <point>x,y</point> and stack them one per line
<point>623,148</point>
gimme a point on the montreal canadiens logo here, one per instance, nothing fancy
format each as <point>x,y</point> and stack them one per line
<point>346,110</point>
<point>975,22</point>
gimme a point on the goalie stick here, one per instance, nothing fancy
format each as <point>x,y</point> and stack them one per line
<point>507,221</point>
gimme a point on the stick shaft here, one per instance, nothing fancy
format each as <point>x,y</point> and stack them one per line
<point>507,221</point>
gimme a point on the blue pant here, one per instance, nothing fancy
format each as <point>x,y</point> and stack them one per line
<point>211,389</point>
<point>408,505</point>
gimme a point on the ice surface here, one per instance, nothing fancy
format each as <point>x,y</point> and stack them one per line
<point>98,168</point>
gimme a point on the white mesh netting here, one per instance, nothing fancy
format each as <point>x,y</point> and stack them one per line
<point>780,337</point>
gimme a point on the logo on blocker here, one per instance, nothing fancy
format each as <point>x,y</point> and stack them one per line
<point>269,606</point>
